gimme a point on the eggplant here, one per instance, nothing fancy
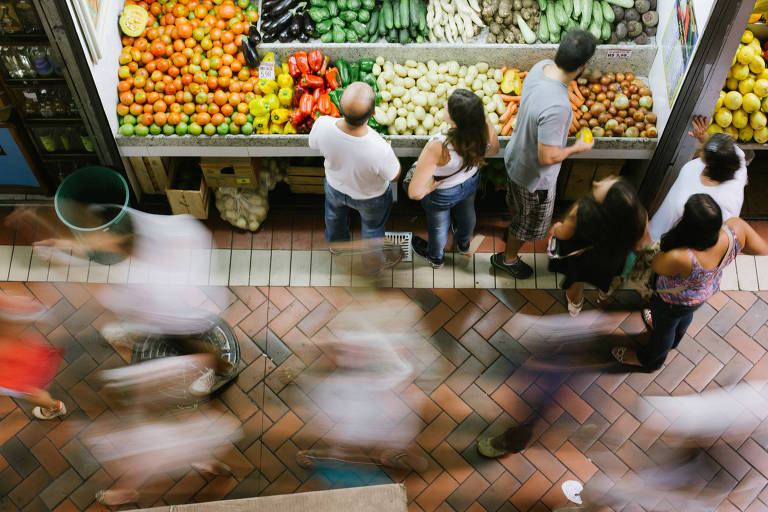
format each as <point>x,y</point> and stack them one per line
<point>254,36</point>
<point>285,36</point>
<point>269,37</point>
<point>280,8</point>
<point>276,24</point>
<point>303,37</point>
<point>249,52</point>
<point>296,26</point>
<point>309,25</point>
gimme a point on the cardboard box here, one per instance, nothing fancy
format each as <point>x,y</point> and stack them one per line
<point>193,202</point>
<point>231,172</point>
<point>583,172</point>
<point>152,173</point>
<point>305,180</point>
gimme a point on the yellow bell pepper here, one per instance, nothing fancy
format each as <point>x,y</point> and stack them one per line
<point>285,81</point>
<point>511,83</point>
<point>269,57</point>
<point>285,96</point>
<point>267,86</point>
<point>261,124</point>
<point>271,101</point>
<point>280,115</point>
<point>289,129</point>
<point>258,108</point>
<point>275,128</point>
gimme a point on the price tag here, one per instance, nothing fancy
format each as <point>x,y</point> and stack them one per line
<point>30,96</point>
<point>267,70</point>
<point>619,53</point>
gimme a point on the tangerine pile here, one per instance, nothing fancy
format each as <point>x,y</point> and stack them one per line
<point>186,73</point>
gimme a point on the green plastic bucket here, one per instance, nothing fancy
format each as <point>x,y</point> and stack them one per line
<point>94,186</point>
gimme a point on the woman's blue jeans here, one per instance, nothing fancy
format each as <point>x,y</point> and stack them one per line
<point>438,205</point>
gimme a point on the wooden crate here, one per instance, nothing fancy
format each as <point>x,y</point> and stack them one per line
<point>151,172</point>
<point>305,180</point>
<point>584,172</point>
<point>193,202</point>
<point>231,172</point>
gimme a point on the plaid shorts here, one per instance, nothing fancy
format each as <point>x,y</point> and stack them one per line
<point>533,212</point>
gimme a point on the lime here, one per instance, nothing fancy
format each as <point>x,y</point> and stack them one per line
<point>222,129</point>
<point>155,130</point>
<point>141,130</point>
<point>126,130</point>
<point>168,130</point>
<point>247,129</point>
<point>209,129</point>
<point>129,119</point>
<point>201,98</point>
<point>182,128</point>
<point>234,129</point>
<point>195,129</point>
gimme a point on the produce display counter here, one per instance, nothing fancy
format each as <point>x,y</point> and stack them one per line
<point>638,59</point>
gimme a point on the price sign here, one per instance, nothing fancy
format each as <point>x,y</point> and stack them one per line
<point>267,70</point>
<point>619,53</point>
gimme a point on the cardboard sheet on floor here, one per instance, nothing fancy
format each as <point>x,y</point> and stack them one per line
<point>381,498</point>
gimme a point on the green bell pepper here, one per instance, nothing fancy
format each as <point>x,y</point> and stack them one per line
<point>354,72</point>
<point>370,80</point>
<point>336,96</point>
<point>343,71</point>
<point>367,65</point>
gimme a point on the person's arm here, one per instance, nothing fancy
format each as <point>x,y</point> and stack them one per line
<point>550,155</point>
<point>423,181</point>
<point>699,129</point>
<point>751,242</point>
<point>493,140</point>
<point>552,127</point>
<point>566,229</point>
<point>672,263</point>
<point>314,135</point>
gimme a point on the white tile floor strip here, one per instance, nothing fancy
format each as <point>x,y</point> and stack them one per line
<point>240,267</point>
<point>746,271</point>
<point>280,268</point>
<point>39,265</point>
<point>19,270</point>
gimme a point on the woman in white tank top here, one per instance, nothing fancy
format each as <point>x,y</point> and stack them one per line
<point>447,174</point>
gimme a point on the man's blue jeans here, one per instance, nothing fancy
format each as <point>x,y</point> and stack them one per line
<point>438,205</point>
<point>373,212</point>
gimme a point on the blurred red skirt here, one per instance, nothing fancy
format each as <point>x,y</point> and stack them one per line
<point>26,364</point>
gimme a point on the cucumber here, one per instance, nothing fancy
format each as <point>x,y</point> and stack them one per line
<point>606,32</point>
<point>414,13</point>
<point>386,12</point>
<point>597,13</point>
<point>571,25</point>
<point>423,17</point>
<point>608,14</point>
<point>568,6</point>
<point>627,4</point>
<point>543,29</point>
<point>392,36</point>
<point>554,37</point>
<point>405,37</point>
<point>551,18</point>
<point>596,30</point>
<point>542,4</point>
<point>404,13</point>
<point>560,14</point>
<point>372,23</point>
<point>586,15</point>
<point>396,13</point>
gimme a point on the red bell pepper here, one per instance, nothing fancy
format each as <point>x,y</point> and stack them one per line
<point>316,94</point>
<point>307,104</point>
<point>298,92</point>
<point>324,104</point>
<point>332,78</point>
<point>315,60</point>
<point>324,66</point>
<point>302,62</point>
<point>311,81</point>
<point>334,110</point>
<point>296,118</point>
<point>293,67</point>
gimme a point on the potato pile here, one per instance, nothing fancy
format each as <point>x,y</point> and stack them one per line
<point>501,18</point>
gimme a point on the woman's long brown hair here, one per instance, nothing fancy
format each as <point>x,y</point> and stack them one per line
<point>469,137</point>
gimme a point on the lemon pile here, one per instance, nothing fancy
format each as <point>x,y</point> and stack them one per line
<point>743,104</point>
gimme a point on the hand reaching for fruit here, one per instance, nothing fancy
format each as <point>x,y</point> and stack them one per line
<point>700,125</point>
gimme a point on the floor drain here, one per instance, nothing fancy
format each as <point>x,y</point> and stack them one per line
<point>403,239</point>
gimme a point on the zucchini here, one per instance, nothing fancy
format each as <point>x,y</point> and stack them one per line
<point>372,23</point>
<point>627,4</point>
<point>405,37</point>
<point>571,25</point>
<point>596,30</point>
<point>396,13</point>
<point>392,36</point>
<point>543,28</point>
<point>608,14</point>
<point>542,4</point>
<point>551,19</point>
<point>423,17</point>
<point>382,25</point>
<point>414,13</point>
<point>528,34</point>
<point>586,15</point>
<point>560,14</point>
<point>386,12</point>
<point>597,14</point>
<point>568,6</point>
<point>554,37</point>
<point>606,32</point>
<point>404,14</point>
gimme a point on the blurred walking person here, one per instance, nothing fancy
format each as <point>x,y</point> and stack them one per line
<point>447,174</point>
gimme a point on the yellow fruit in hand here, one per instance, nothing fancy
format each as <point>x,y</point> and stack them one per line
<point>733,100</point>
<point>750,103</point>
<point>761,135</point>
<point>748,37</point>
<point>757,65</point>
<point>586,134</point>
<point>740,119</point>
<point>746,86</point>
<point>740,71</point>
<point>746,134</point>
<point>757,120</point>
<point>723,117</point>
<point>746,54</point>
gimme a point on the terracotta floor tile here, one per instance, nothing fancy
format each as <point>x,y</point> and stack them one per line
<point>530,492</point>
<point>281,233</point>
<point>493,320</point>
<point>573,403</point>
<point>451,403</point>
<point>454,298</point>
<point>434,320</point>
<point>436,431</point>
<point>452,462</point>
<point>462,321</point>
<point>301,234</point>
<point>288,318</point>
<point>512,403</point>
<point>437,492</point>
<point>576,461</point>
<point>288,425</point>
<point>544,461</point>
<point>482,298</point>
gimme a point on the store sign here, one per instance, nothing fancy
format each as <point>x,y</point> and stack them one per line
<point>619,53</point>
<point>267,70</point>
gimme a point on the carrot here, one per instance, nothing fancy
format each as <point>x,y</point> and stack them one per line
<point>508,112</point>
<point>503,69</point>
<point>575,100</point>
<point>578,94</point>
<point>523,74</point>
<point>507,97</point>
<point>507,128</point>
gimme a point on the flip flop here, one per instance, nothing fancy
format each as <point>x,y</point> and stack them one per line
<point>486,449</point>
<point>647,317</point>
<point>618,353</point>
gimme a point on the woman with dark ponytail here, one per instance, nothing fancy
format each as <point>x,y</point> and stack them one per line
<point>446,175</point>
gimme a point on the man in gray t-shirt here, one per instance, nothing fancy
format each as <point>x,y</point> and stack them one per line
<point>542,123</point>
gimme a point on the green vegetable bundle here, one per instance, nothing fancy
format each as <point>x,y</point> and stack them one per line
<point>560,16</point>
<point>350,21</point>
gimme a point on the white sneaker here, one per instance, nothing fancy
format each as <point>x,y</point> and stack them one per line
<point>49,414</point>
<point>575,309</point>
<point>203,384</point>
<point>116,335</point>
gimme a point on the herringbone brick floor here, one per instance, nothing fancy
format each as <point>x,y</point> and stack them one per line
<point>473,342</point>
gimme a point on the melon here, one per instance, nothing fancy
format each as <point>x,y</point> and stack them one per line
<point>761,135</point>
<point>746,134</point>
<point>733,100</point>
<point>740,119</point>
<point>133,20</point>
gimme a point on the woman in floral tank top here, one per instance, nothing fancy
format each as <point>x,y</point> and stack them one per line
<point>689,269</point>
